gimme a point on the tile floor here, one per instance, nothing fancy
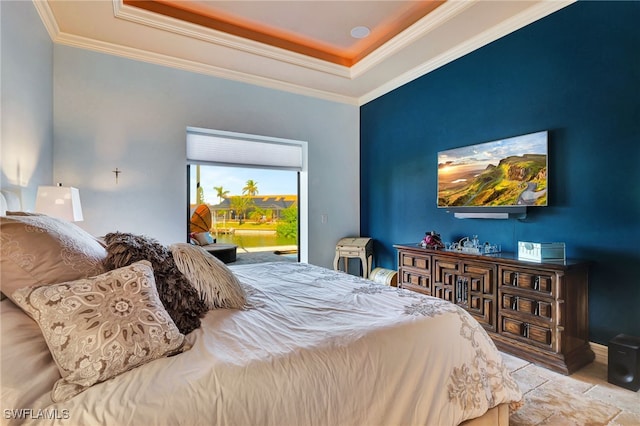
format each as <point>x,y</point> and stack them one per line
<point>584,398</point>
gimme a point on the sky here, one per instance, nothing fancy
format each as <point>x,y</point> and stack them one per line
<point>493,152</point>
<point>233,179</point>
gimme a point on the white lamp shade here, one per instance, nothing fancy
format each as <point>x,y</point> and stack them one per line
<point>62,202</point>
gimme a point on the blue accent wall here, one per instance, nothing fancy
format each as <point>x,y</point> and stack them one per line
<point>575,73</point>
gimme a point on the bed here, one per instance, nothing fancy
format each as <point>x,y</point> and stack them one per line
<point>310,346</point>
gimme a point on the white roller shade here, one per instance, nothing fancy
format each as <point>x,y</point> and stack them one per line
<point>226,148</point>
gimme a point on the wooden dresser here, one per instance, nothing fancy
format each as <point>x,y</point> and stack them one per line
<point>535,311</point>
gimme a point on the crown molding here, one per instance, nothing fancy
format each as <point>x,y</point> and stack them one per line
<point>59,37</point>
<point>516,22</point>
<point>428,23</point>
<point>48,18</point>
<point>197,67</point>
<point>413,33</point>
<point>176,26</point>
<point>416,31</point>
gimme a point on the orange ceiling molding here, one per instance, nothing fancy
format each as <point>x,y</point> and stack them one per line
<point>237,29</point>
<point>223,22</point>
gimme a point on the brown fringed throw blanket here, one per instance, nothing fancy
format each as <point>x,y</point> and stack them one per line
<point>181,300</point>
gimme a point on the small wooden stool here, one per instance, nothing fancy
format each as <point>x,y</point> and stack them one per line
<point>355,247</point>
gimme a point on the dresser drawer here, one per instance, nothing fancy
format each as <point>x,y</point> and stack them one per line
<point>537,281</point>
<point>416,280</point>
<point>515,303</point>
<point>527,332</point>
<point>415,261</point>
<point>349,252</point>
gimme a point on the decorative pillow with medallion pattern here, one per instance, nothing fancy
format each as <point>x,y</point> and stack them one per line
<point>99,327</point>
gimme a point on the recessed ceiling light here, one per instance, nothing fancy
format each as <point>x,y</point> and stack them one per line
<point>360,32</point>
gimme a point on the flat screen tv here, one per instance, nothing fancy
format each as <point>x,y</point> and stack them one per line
<point>504,173</point>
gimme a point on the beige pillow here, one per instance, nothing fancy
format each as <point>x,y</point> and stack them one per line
<point>215,282</point>
<point>41,249</point>
<point>203,238</point>
<point>97,328</point>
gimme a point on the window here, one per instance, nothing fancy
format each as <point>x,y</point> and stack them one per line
<point>242,155</point>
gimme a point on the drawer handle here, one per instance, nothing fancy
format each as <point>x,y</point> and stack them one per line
<point>525,330</point>
<point>514,279</point>
<point>536,283</point>
<point>462,288</point>
<point>514,303</point>
<point>536,311</point>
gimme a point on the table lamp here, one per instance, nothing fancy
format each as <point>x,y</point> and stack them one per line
<point>59,201</point>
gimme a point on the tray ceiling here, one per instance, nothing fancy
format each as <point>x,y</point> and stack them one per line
<point>302,46</point>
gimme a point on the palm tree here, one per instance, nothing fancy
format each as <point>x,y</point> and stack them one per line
<point>199,194</point>
<point>220,193</point>
<point>251,188</point>
<point>240,205</point>
<point>199,189</point>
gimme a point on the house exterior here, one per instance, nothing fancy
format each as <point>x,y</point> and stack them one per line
<point>268,203</point>
<point>73,115</point>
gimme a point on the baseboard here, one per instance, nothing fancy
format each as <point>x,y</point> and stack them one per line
<point>601,352</point>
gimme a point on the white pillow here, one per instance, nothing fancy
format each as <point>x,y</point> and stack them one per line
<point>215,282</point>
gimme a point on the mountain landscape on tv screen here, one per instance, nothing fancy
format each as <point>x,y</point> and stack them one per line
<point>519,180</point>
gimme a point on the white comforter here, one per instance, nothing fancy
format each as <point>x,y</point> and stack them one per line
<point>317,347</point>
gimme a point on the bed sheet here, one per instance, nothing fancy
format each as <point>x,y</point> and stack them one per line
<point>314,347</point>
